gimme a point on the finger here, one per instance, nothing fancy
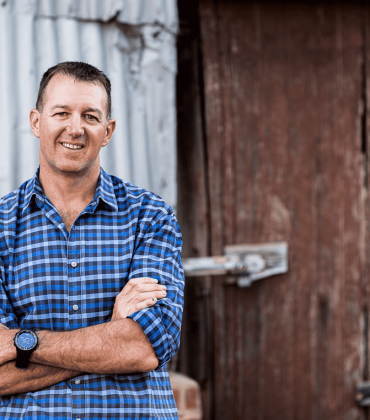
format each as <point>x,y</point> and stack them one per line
<point>133,298</point>
<point>145,287</point>
<point>139,280</point>
<point>142,297</point>
<point>132,291</point>
<point>146,304</point>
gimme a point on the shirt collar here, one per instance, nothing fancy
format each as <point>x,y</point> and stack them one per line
<point>104,191</point>
<point>33,188</point>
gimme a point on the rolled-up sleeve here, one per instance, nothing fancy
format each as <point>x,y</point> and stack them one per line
<point>7,316</point>
<point>158,256</point>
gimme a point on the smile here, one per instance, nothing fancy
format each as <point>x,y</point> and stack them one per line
<point>71,146</point>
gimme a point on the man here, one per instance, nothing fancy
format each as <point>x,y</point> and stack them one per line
<point>91,282</point>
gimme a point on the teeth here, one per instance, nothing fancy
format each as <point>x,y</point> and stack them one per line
<point>71,146</point>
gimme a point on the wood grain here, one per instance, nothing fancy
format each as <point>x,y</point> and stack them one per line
<point>283,94</point>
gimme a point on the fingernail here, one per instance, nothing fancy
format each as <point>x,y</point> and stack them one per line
<point>155,280</point>
<point>154,299</point>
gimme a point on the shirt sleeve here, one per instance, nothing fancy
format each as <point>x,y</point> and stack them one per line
<point>158,256</point>
<point>7,316</point>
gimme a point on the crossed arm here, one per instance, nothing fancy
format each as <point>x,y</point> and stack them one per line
<point>118,346</point>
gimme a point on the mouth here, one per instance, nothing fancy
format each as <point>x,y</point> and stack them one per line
<point>72,146</point>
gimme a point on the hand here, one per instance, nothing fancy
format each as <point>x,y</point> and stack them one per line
<point>138,294</point>
<point>7,349</point>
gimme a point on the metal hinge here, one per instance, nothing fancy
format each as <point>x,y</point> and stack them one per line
<point>363,394</point>
<point>247,263</point>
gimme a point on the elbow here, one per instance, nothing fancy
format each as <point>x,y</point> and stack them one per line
<point>150,363</point>
<point>5,389</point>
<point>143,362</point>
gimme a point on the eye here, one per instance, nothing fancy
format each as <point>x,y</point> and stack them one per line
<point>91,117</point>
<point>61,114</point>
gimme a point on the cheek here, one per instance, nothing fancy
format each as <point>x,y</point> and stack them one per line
<point>49,133</point>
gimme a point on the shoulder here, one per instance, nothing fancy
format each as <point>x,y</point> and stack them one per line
<point>11,206</point>
<point>138,200</point>
<point>11,203</point>
<point>153,218</point>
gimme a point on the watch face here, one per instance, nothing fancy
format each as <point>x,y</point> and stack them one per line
<point>26,341</point>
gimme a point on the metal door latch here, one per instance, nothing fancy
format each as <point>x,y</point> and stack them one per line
<point>363,394</point>
<point>247,263</point>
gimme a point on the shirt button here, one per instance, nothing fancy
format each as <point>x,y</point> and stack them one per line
<point>75,307</point>
<point>78,418</point>
<point>77,381</point>
<point>74,264</point>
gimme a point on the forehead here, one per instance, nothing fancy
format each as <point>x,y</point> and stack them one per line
<point>67,91</point>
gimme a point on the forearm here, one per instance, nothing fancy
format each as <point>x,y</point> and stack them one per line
<point>114,347</point>
<point>119,346</point>
<point>34,378</point>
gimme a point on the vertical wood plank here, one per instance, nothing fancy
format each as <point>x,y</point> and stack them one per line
<point>228,320</point>
<point>213,98</point>
<point>272,214</point>
<point>213,84</point>
<point>303,108</point>
<point>254,37</point>
<point>365,126</point>
<point>243,53</point>
<point>195,358</point>
<point>329,369</point>
<point>349,91</point>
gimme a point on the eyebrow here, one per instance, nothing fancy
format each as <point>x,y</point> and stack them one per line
<point>59,106</point>
<point>97,110</point>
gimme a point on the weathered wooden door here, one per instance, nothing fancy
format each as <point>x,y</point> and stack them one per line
<point>274,141</point>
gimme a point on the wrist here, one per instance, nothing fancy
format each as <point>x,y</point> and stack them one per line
<point>11,351</point>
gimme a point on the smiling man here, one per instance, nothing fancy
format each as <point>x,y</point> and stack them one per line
<point>91,282</point>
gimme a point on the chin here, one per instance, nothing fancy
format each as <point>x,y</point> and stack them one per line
<point>70,169</point>
<point>66,166</point>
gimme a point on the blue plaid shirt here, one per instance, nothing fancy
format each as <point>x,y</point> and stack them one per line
<point>125,232</point>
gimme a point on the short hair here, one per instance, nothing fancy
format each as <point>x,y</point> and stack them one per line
<point>81,72</point>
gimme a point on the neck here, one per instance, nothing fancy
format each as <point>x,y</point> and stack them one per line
<point>68,188</point>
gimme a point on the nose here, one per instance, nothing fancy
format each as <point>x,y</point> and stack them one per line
<point>75,127</point>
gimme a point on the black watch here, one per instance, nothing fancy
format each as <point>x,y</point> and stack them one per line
<point>25,342</point>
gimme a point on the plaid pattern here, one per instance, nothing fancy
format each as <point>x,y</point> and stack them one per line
<point>125,232</point>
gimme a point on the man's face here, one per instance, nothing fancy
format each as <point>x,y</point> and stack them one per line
<point>73,126</point>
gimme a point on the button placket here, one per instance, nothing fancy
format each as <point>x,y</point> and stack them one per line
<point>74,280</point>
<point>77,398</point>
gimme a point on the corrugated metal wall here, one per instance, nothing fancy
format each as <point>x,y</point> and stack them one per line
<point>133,42</point>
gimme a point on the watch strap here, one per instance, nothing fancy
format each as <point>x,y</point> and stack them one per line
<point>23,358</point>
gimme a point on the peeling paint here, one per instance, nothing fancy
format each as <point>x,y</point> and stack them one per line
<point>279,214</point>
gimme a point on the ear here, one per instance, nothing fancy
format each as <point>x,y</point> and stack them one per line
<point>35,122</point>
<point>111,126</point>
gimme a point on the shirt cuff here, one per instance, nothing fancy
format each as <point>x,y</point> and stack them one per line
<point>150,321</point>
<point>8,321</point>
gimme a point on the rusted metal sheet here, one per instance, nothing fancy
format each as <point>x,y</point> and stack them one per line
<point>137,12</point>
<point>286,161</point>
